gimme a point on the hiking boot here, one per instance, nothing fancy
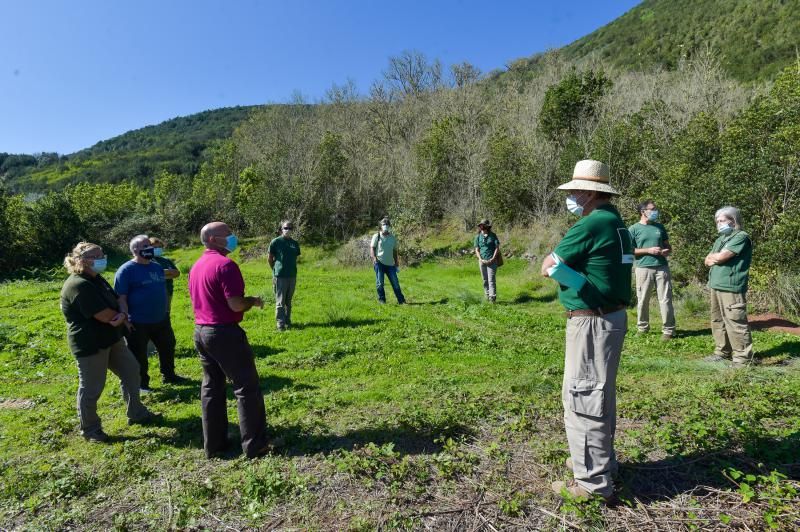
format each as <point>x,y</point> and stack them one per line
<point>97,436</point>
<point>666,337</point>
<point>574,490</point>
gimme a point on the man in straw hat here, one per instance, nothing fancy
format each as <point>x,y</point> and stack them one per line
<point>600,249</point>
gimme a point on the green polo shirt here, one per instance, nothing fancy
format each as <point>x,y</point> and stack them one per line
<point>648,236</point>
<point>83,296</point>
<point>487,244</point>
<point>285,250</point>
<point>733,275</point>
<point>600,247</point>
<point>384,246</point>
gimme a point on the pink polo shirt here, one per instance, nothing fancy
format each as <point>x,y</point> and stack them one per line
<point>212,280</point>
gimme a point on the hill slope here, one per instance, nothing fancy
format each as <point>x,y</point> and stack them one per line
<point>755,38</point>
<point>176,145</point>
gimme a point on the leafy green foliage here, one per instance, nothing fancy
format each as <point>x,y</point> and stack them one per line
<point>571,102</point>
<point>756,38</point>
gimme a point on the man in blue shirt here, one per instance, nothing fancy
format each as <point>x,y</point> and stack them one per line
<point>141,286</point>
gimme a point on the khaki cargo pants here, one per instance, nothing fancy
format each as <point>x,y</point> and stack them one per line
<point>730,328</point>
<point>660,278</point>
<point>284,292</point>
<point>589,395</point>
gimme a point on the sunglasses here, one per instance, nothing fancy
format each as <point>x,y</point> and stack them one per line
<point>288,228</point>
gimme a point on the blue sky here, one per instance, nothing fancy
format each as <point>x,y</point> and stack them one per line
<point>76,72</point>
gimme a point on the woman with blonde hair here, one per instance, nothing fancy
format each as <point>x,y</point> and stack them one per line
<point>95,330</point>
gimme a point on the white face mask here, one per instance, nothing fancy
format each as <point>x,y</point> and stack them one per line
<point>99,265</point>
<point>385,228</point>
<point>653,216</point>
<point>724,228</point>
<point>286,232</point>
<point>573,206</point>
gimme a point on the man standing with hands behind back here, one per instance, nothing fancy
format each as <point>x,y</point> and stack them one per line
<point>651,247</point>
<point>216,288</point>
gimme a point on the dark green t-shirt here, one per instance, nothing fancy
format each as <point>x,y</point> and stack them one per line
<point>82,297</point>
<point>486,244</point>
<point>648,236</point>
<point>600,247</point>
<point>285,250</point>
<point>733,275</point>
<point>167,265</point>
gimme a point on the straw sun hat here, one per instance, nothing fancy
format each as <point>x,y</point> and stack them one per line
<point>590,175</point>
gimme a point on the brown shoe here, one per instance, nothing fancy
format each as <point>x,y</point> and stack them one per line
<point>666,337</point>
<point>574,490</point>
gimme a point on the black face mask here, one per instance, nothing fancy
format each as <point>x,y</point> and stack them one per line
<point>147,253</point>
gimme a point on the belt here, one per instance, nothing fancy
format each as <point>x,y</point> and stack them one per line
<point>593,311</point>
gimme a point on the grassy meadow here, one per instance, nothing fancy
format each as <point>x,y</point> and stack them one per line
<point>444,413</point>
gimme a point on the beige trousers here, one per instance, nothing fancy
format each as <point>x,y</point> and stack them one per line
<point>729,326</point>
<point>646,280</point>
<point>92,372</point>
<point>589,395</point>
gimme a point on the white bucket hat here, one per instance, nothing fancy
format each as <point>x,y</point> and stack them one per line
<point>590,175</point>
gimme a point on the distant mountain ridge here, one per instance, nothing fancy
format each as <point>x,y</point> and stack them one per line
<point>177,145</point>
<point>755,39</point>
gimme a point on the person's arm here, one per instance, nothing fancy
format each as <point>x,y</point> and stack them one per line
<point>478,254</point>
<point>372,245</point>
<point>715,259</point>
<point>244,303</point>
<point>171,273</point>
<point>666,249</point>
<point>496,251</point>
<point>123,304</point>
<point>547,263</point>
<point>655,250</point>
<point>396,259</point>
<point>111,317</point>
<point>271,260</point>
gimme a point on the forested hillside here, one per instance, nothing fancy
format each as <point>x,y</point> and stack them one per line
<point>178,145</point>
<point>755,38</point>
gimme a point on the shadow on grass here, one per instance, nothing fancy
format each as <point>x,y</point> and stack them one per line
<point>263,351</point>
<point>442,301</point>
<point>665,479</point>
<point>692,332</point>
<point>527,297</point>
<point>406,439</point>
<point>190,391</point>
<point>342,323</point>
<point>790,348</point>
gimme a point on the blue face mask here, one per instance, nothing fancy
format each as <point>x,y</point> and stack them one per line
<point>573,206</point>
<point>231,243</point>
<point>158,252</point>
<point>653,216</point>
<point>724,228</point>
<point>99,265</point>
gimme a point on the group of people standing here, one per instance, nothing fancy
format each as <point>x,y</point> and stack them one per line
<point>592,263</point>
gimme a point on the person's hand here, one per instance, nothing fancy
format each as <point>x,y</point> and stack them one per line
<point>258,302</point>
<point>665,252</point>
<point>117,320</point>
<point>130,326</point>
<point>655,250</point>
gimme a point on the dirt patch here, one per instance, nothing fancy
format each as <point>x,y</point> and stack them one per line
<point>774,323</point>
<point>16,404</point>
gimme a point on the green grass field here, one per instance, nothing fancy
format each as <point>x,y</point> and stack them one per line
<point>444,413</point>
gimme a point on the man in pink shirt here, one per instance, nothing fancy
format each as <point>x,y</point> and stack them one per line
<point>216,288</point>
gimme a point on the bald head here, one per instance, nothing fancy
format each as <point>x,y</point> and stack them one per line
<point>211,231</point>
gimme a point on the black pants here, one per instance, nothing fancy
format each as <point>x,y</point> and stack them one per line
<point>163,338</point>
<point>225,352</point>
